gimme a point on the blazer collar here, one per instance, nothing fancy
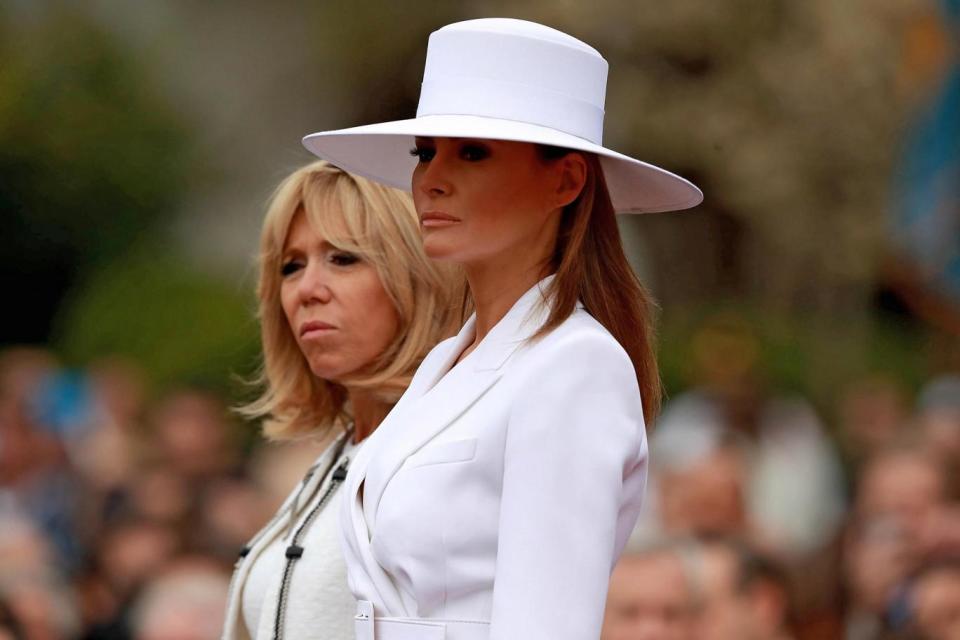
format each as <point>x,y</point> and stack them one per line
<point>523,319</point>
<point>448,390</point>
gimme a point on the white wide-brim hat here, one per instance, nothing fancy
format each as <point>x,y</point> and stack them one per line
<point>505,79</point>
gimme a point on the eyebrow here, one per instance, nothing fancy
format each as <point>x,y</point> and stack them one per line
<point>291,248</point>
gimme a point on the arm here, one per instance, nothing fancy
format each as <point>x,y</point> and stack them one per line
<point>574,464</point>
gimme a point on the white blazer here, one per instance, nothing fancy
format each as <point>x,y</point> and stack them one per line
<point>497,495</point>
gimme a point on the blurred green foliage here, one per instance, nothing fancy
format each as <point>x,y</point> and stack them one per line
<point>814,356</point>
<point>376,49</point>
<point>179,324</point>
<point>91,159</point>
<point>94,163</point>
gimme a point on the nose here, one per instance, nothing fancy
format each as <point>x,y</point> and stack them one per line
<point>432,178</point>
<point>650,629</point>
<point>314,286</point>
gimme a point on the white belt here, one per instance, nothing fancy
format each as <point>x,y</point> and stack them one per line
<point>370,627</point>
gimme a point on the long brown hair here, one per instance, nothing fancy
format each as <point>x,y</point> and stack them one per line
<point>591,266</point>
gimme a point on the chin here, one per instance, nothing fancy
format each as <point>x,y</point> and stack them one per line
<point>329,371</point>
<point>440,249</point>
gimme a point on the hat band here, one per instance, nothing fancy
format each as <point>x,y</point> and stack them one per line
<point>489,98</point>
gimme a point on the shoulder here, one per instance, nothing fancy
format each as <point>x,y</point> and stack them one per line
<point>580,339</point>
<point>579,348</point>
<point>574,378</point>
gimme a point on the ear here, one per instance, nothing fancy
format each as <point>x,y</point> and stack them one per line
<point>573,176</point>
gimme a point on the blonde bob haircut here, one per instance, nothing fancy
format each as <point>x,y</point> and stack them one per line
<point>380,225</point>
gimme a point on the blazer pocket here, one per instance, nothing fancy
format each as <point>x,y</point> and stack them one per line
<point>453,451</point>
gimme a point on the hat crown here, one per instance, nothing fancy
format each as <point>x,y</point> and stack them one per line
<point>520,28</point>
<point>515,70</point>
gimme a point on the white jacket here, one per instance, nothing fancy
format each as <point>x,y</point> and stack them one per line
<point>498,495</point>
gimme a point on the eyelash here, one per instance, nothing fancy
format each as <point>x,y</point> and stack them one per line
<point>344,258</point>
<point>339,259</point>
<point>478,152</point>
<point>419,153</point>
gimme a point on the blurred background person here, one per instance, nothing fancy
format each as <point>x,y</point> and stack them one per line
<point>703,492</point>
<point>935,601</point>
<point>654,593</point>
<point>904,518</point>
<point>759,443</point>
<point>745,594</point>
<point>10,629</point>
<point>938,421</point>
<point>185,601</point>
<point>34,596</point>
<point>873,413</point>
<point>193,436</point>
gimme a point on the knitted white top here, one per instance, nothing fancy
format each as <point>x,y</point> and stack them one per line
<point>317,602</point>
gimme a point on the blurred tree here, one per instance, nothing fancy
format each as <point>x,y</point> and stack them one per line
<point>90,158</point>
<point>380,64</point>
<point>787,113</point>
<point>789,116</point>
<point>814,359</point>
<point>179,324</point>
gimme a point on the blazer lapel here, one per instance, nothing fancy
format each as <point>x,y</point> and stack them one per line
<point>448,392</point>
<point>352,514</point>
<point>380,441</point>
<point>448,399</point>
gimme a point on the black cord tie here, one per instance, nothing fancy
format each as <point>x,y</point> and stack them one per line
<point>294,551</point>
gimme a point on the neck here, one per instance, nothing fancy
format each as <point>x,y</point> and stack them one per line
<point>498,281</point>
<point>368,412</point>
<point>495,290</point>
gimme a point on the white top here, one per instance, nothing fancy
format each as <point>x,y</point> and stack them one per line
<point>318,603</point>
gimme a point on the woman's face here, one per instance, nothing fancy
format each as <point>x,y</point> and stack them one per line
<point>335,304</point>
<point>485,200</point>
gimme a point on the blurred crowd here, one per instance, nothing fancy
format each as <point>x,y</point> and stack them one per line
<point>762,522</point>
<point>122,510</point>
<point>121,516</point>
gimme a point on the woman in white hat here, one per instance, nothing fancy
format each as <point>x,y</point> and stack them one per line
<point>495,498</point>
<point>349,306</point>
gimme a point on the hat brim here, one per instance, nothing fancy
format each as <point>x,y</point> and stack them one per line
<point>381,152</point>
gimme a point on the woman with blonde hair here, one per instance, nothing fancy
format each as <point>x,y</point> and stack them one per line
<point>349,305</point>
<point>494,500</point>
